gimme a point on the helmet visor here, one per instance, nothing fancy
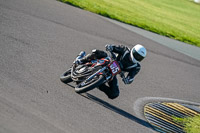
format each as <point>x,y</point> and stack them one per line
<point>137,56</point>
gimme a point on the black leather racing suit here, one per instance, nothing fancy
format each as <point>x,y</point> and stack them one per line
<point>112,91</point>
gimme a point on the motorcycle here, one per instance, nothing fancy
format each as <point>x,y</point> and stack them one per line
<point>92,74</point>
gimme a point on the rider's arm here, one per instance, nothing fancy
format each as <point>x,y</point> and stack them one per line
<point>132,73</point>
<point>119,49</point>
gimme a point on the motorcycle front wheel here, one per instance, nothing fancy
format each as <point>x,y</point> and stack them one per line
<point>87,86</point>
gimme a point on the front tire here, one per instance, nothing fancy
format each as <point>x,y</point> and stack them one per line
<point>81,88</point>
<point>66,77</point>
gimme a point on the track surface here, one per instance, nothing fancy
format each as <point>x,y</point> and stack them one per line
<point>39,40</point>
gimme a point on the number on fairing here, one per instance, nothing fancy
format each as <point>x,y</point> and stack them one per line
<point>114,68</point>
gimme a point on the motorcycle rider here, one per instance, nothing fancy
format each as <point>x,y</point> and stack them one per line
<point>128,58</point>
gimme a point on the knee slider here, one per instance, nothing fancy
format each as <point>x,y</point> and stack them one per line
<point>113,96</point>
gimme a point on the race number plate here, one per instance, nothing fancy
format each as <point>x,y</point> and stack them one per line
<point>115,68</point>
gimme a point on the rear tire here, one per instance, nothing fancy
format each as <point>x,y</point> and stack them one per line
<point>84,88</point>
<point>66,77</point>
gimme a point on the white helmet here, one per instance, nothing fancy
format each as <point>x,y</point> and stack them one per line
<point>138,53</point>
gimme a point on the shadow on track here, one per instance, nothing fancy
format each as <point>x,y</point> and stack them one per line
<point>70,85</point>
<point>116,110</point>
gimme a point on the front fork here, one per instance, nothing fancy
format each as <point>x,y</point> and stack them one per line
<point>108,77</point>
<point>93,75</point>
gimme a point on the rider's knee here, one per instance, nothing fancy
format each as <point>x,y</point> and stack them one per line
<point>99,53</point>
<point>113,95</point>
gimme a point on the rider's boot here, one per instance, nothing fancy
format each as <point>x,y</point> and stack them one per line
<point>79,57</point>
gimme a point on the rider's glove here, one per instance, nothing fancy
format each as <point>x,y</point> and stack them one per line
<point>127,80</point>
<point>109,47</point>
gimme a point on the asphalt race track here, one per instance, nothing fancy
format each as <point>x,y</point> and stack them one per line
<point>39,40</point>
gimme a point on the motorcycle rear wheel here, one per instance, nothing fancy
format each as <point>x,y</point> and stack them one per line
<point>81,88</point>
<point>66,77</point>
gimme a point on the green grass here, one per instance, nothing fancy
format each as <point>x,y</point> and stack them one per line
<point>177,19</point>
<point>191,124</point>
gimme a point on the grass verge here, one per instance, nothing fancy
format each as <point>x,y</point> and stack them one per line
<point>191,124</point>
<point>177,19</point>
